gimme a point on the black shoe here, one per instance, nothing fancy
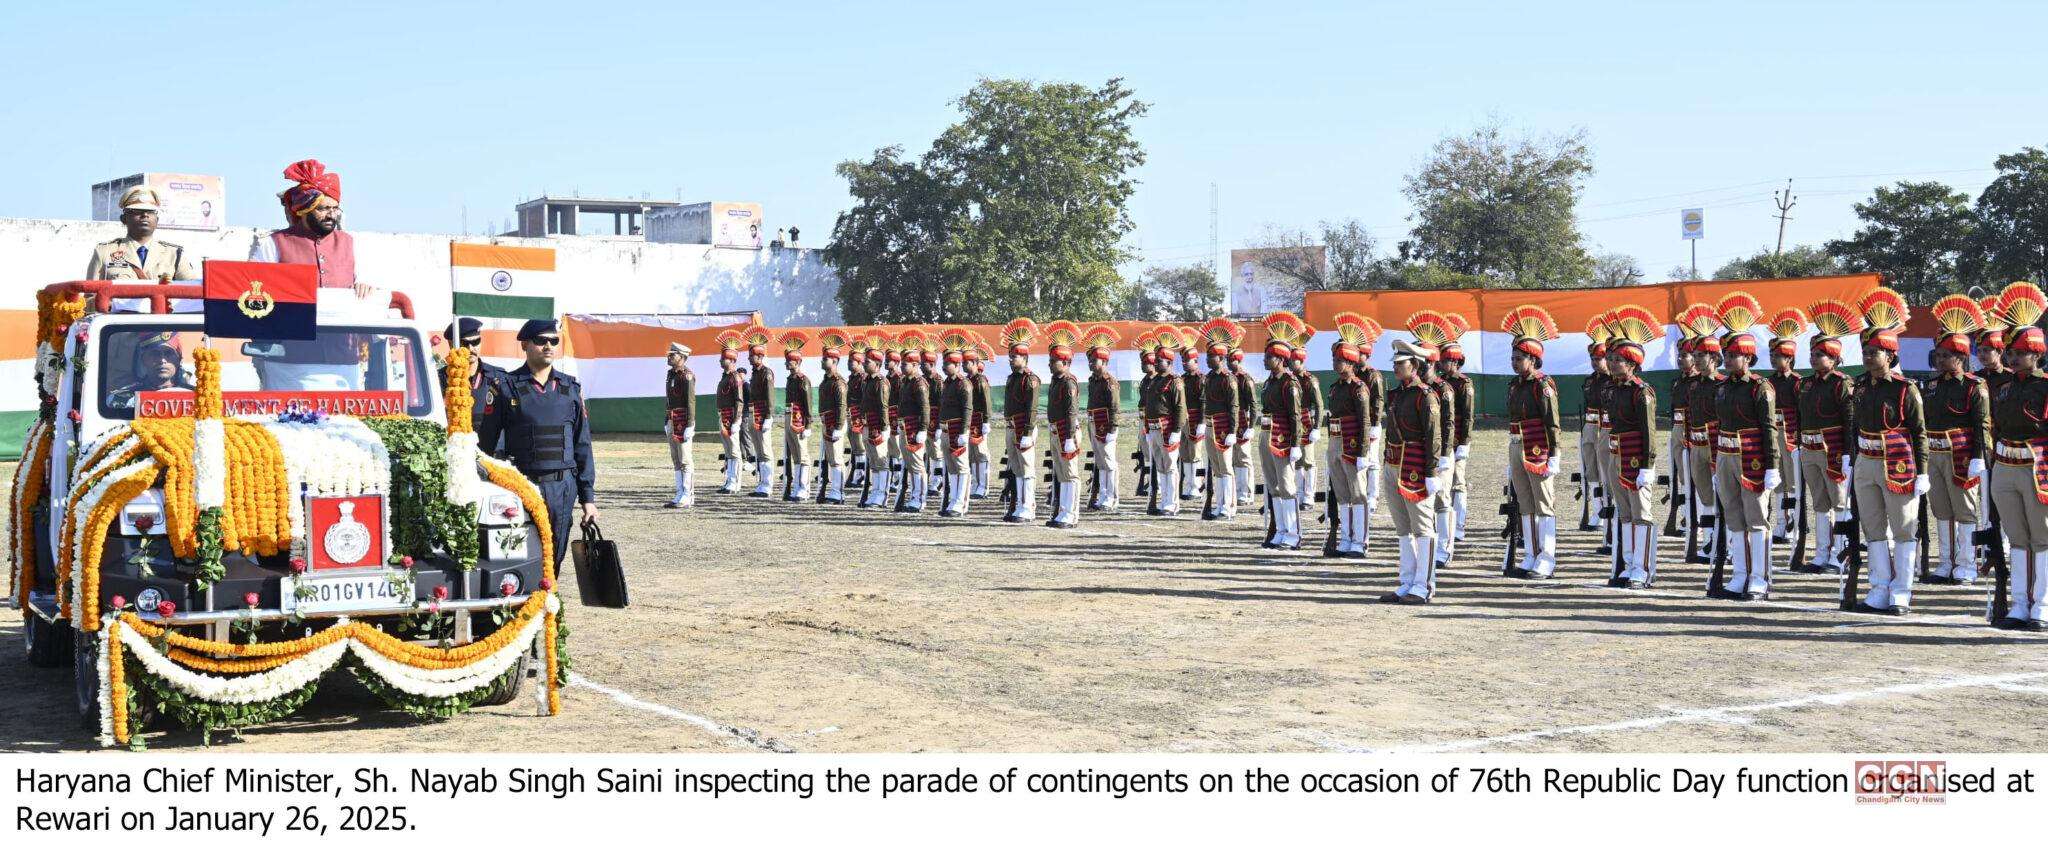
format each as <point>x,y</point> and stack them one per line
<point>1413,600</point>
<point>1751,596</point>
<point>907,510</point>
<point>671,505</point>
<point>1353,554</point>
<point>1699,559</point>
<point>1716,592</point>
<point>1779,539</point>
<point>1938,579</point>
<point>948,513</point>
<point>1333,554</point>
<point>1604,550</point>
<point>2037,626</point>
<point>1807,569</point>
<point>1517,572</point>
<point>2009,623</point>
<point>1635,585</point>
<point>1012,519</point>
<point>1617,582</point>
<point>1393,597</point>
<point>1863,608</point>
<point>1155,512</point>
<point>1091,508</point>
<point>1958,581</point>
<point>1537,576</point>
<point>835,501</point>
<point>761,494</point>
<point>1211,516</point>
<point>1898,611</point>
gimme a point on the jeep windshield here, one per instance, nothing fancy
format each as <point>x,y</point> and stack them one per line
<point>143,357</point>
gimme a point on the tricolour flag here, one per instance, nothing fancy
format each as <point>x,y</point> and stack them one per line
<point>502,281</point>
<point>261,300</point>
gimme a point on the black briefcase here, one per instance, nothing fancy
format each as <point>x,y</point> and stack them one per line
<point>600,576</point>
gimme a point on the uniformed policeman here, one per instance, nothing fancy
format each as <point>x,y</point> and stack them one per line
<point>1534,432</point>
<point>1676,521</point>
<point>878,415</point>
<point>1063,411</point>
<point>1959,444</point>
<point>1194,435</point>
<point>1701,420</point>
<point>681,425</point>
<point>1435,331</point>
<point>1147,344</point>
<point>1020,409</point>
<point>1450,369</point>
<point>914,412</point>
<point>2019,420</point>
<point>1826,400</point>
<point>980,413</point>
<point>1105,405</point>
<point>139,256</point>
<point>1749,454</point>
<point>895,362</point>
<point>1786,327</point>
<point>1169,414</point>
<point>546,431</point>
<point>1349,440</point>
<point>1411,478</point>
<point>831,417</point>
<point>1593,448</point>
<point>1219,403</point>
<point>956,397</point>
<point>1631,415</point>
<point>934,386</point>
<point>1247,412</point>
<point>1990,349</point>
<point>1311,391</point>
<point>1891,458</point>
<point>732,401</point>
<point>1375,414</point>
<point>797,417</point>
<point>760,411</point>
<point>469,333</point>
<point>1280,413</point>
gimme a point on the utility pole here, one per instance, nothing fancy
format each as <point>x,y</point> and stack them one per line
<point>1216,274</point>
<point>1785,201</point>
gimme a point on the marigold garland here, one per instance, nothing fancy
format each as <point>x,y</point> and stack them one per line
<point>117,687</point>
<point>206,398</point>
<point>32,475</point>
<point>118,494</point>
<point>68,528</point>
<point>505,476</point>
<point>414,655</point>
<point>456,395</point>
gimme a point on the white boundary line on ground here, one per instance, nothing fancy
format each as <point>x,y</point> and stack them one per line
<point>745,737</point>
<point>1739,714</point>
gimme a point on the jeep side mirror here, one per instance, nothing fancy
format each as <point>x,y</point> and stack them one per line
<point>262,349</point>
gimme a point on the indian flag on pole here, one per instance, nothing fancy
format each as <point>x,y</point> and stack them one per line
<point>501,281</point>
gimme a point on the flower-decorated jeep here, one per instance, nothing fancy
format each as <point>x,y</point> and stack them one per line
<point>205,528</point>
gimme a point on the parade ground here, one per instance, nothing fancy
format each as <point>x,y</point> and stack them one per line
<point>763,625</point>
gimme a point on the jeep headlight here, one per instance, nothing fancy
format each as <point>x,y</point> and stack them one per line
<point>503,508</point>
<point>144,515</point>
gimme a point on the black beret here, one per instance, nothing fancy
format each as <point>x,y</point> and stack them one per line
<point>465,327</point>
<point>536,328</point>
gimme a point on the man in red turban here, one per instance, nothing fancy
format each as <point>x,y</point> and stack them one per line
<point>313,233</point>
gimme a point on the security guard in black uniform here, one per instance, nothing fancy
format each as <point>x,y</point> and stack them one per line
<point>469,333</point>
<point>546,430</point>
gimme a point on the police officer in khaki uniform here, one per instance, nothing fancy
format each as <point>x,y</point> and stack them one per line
<point>1675,519</point>
<point>1702,322</point>
<point>732,401</point>
<point>681,425</point>
<point>1375,413</point>
<point>1280,407</point>
<point>878,415</point>
<point>2019,421</point>
<point>760,411</point>
<point>1786,328</point>
<point>956,397</point>
<point>1891,458</point>
<point>1349,439</point>
<point>1104,406</point>
<point>1631,415</point>
<point>1958,442</point>
<point>1163,425</point>
<point>1311,415</point>
<point>1020,410</point>
<point>1826,399</point>
<point>796,419</point>
<point>1411,478</point>
<point>980,413</point>
<point>1593,449</point>
<point>139,256</point>
<point>1063,418</point>
<point>1435,331</point>
<point>1247,413</point>
<point>914,413</point>
<point>1219,404</point>
<point>833,401</point>
<point>1534,431</point>
<point>1194,436</point>
<point>1749,454</point>
<point>1450,369</point>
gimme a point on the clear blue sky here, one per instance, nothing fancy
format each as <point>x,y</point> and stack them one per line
<point>1297,112</point>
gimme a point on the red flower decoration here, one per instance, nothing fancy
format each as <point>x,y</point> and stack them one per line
<point>118,602</point>
<point>440,592</point>
<point>76,416</point>
<point>251,598</point>
<point>509,512</point>
<point>405,561</point>
<point>145,522</point>
<point>298,565</point>
<point>505,589</point>
<point>166,608</point>
<point>547,584</point>
<point>81,336</point>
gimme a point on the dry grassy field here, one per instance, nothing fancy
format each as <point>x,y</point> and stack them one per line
<point>765,625</point>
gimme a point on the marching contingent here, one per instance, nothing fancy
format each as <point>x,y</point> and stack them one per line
<point>1904,480</point>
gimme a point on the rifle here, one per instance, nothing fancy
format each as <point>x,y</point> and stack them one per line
<point>1991,538</point>
<point>1512,510</point>
<point>1585,502</point>
<point>1720,547</point>
<point>1799,540</point>
<point>1676,495</point>
<point>1851,532</point>
<point>1692,511</point>
<point>1330,514</point>
<point>1146,482</point>
<point>1920,535</point>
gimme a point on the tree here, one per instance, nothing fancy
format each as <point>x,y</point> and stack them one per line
<point>1185,293</point>
<point>1613,270</point>
<point>1914,233</point>
<point>2012,221</point>
<point>1017,209</point>
<point>1799,260</point>
<point>1503,208</point>
<point>1679,273</point>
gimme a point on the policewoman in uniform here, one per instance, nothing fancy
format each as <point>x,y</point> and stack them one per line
<point>980,411</point>
<point>1168,411</point>
<point>1786,327</point>
<point>914,412</point>
<point>1891,458</point>
<point>1350,442</point>
<point>1280,407</point>
<point>1375,412</point>
<point>546,431</point>
<point>796,419</point>
<point>1104,406</point>
<point>1219,404</point>
<point>856,423</point>
<point>1676,521</point>
<point>1434,331</point>
<point>760,411</point>
<point>1063,418</point>
<point>731,403</point>
<point>877,414</point>
<point>833,395</point>
<point>1749,454</point>
<point>1701,421</point>
<point>1631,413</point>
<point>1247,411</point>
<point>2019,420</point>
<point>1194,436</point>
<point>1311,416</point>
<point>1593,468</point>
<point>1020,409</point>
<point>1826,399</point>
<point>1534,430</point>
<point>681,425</point>
<point>1958,442</point>
<point>1451,370</point>
<point>956,397</point>
<point>1411,479</point>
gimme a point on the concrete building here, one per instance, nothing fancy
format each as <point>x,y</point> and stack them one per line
<point>547,216</point>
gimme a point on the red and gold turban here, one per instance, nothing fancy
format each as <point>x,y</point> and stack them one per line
<point>313,181</point>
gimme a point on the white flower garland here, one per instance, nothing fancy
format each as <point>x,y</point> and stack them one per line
<point>209,463</point>
<point>450,682</point>
<point>79,542</point>
<point>106,695</point>
<point>336,457</point>
<point>465,488</point>
<point>47,370</point>
<point>254,688</point>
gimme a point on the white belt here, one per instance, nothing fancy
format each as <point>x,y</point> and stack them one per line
<point>1813,439</point>
<point>2008,451</point>
<point>1872,444</point>
<point>1942,444</point>
<point>1731,442</point>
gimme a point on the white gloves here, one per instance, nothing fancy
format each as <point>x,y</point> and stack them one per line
<point>1847,465</point>
<point>1265,421</point>
<point>1920,484</point>
<point>832,435</point>
<point>959,441</point>
<point>1362,462</point>
<point>1976,470</point>
<point>668,429</point>
<point>1372,434</point>
<point>1173,441</point>
<point>1644,478</point>
<point>689,433</point>
<point>1294,454</point>
<point>984,430</point>
<point>1229,439</point>
<point>1309,437</point>
<point>1109,437</point>
<point>1201,430</point>
<point>1772,479</point>
<point>1443,463</point>
<point>1026,442</point>
<point>1430,484</point>
<point>1550,468</point>
<point>917,438</point>
<point>1462,452</point>
<point>1067,446</point>
<point>885,434</point>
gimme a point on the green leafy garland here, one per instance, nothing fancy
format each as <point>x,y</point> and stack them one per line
<point>422,519</point>
<point>206,716</point>
<point>211,570</point>
<point>562,647</point>
<point>429,707</point>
